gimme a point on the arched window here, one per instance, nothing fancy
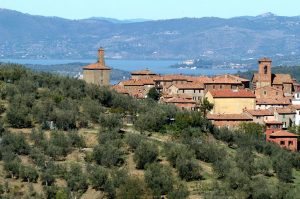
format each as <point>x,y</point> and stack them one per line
<point>265,70</point>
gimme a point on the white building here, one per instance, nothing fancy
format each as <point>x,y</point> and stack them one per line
<point>296,105</point>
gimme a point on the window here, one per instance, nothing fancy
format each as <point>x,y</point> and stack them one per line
<point>265,70</point>
<point>214,87</point>
<point>221,86</point>
<point>276,93</point>
<point>265,92</point>
<point>282,142</point>
<point>283,116</point>
<point>290,143</point>
<point>194,91</point>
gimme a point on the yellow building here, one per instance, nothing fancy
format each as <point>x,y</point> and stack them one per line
<point>231,101</point>
<point>97,73</point>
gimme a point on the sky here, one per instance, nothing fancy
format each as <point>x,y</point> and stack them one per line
<point>152,9</point>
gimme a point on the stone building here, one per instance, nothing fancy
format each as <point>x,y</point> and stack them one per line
<point>265,78</point>
<point>97,73</point>
<point>194,90</point>
<point>231,101</point>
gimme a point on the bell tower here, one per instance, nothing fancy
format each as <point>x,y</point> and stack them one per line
<point>264,73</point>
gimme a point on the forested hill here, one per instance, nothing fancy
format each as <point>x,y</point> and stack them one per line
<point>239,38</point>
<point>63,138</point>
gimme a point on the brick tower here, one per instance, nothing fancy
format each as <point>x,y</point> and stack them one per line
<point>264,73</point>
<point>97,73</point>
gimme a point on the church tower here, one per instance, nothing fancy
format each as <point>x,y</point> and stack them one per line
<point>264,73</point>
<point>97,73</point>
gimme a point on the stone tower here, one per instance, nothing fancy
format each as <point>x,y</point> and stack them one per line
<point>264,73</point>
<point>97,73</point>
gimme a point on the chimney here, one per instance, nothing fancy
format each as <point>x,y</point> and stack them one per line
<point>101,56</point>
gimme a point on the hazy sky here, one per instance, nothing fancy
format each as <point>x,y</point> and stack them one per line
<point>152,9</point>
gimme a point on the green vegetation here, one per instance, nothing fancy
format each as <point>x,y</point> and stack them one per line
<point>63,138</point>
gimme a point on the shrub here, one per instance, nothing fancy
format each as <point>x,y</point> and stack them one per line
<point>179,192</point>
<point>108,155</point>
<point>177,153</point>
<point>283,167</point>
<point>222,167</point>
<point>263,166</point>
<point>188,169</point>
<point>76,180</point>
<point>76,140</point>
<point>133,140</point>
<point>159,179</point>
<point>132,189</point>
<point>28,173</point>
<point>15,143</point>
<point>145,153</point>
<point>18,116</point>
<point>261,188</point>
<point>98,177</point>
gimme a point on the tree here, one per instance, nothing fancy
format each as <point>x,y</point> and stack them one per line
<point>261,189</point>
<point>47,177</point>
<point>145,153</point>
<point>159,179</point>
<point>132,189</point>
<point>28,173</point>
<point>108,155</point>
<point>252,129</point>
<point>18,116</point>
<point>205,106</point>
<point>98,177</point>
<point>188,169</point>
<point>176,153</point>
<point>133,140</point>
<point>179,192</point>
<point>283,167</point>
<point>75,178</point>
<point>153,94</point>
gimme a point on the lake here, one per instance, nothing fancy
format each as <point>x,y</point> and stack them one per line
<point>157,66</point>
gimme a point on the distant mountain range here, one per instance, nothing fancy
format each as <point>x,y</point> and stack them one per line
<point>211,38</point>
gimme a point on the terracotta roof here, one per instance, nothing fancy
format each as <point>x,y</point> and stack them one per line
<point>138,82</point>
<point>120,89</point>
<point>188,85</point>
<point>282,78</point>
<point>273,122</point>
<point>283,133</point>
<point>296,106</point>
<point>95,66</point>
<point>200,79</point>
<point>168,96</point>
<point>230,79</point>
<point>143,72</point>
<point>237,117</point>
<point>272,101</point>
<point>264,59</point>
<point>260,112</point>
<point>268,88</point>
<point>171,78</point>
<point>228,93</point>
<point>287,110</point>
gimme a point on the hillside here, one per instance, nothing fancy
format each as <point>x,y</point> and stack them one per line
<point>234,39</point>
<point>62,138</point>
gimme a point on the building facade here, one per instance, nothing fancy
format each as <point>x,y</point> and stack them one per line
<point>231,101</point>
<point>97,73</point>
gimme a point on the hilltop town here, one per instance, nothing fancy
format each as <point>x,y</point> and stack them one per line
<point>272,100</point>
